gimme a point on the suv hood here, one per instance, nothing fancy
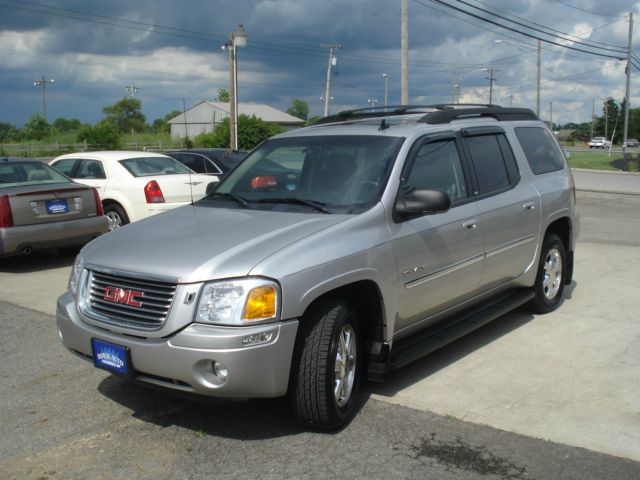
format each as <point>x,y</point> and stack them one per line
<point>195,244</point>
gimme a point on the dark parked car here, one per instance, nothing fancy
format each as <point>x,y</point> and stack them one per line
<point>212,161</point>
<point>41,208</point>
<point>632,142</point>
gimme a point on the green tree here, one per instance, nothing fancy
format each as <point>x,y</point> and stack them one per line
<point>65,125</point>
<point>610,120</point>
<point>312,120</point>
<point>161,125</point>
<point>36,128</point>
<point>104,136</point>
<point>299,109</point>
<point>7,132</point>
<point>251,131</point>
<point>223,95</point>
<point>125,115</point>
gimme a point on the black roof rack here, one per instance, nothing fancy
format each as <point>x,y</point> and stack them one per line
<point>499,113</point>
<point>438,113</point>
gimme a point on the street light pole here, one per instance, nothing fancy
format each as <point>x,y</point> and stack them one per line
<point>386,89</point>
<point>42,83</point>
<point>627,99</point>
<point>332,63</point>
<point>238,38</point>
<point>132,90</point>
<point>404,57</point>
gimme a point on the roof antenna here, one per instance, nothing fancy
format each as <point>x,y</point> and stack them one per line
<point>383,125</point>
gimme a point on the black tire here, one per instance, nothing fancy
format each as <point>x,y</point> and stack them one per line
<point>315,402</point>
<point>550,280</point>
<point>116,215</point>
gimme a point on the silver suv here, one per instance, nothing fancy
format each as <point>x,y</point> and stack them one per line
<point>351,247</point>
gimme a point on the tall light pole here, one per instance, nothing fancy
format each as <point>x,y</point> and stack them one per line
<point>372,101</point>
<point>627,99</point>
<point>386,89</point>
<point>404,57</point>
<point>333,60</point>
<point>42,82</point>
<point>538,62</point>
<point>238,38</point>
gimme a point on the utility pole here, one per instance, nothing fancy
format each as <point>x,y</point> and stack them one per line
<point>404,57</point>
<point>538,83</point>
<point>132,90</point>
<point>551,116</point>
<point>43,83</point>
<point>627,99</point>
<point>593,115</point>
<point>491,79</point>
<point>333,60</point>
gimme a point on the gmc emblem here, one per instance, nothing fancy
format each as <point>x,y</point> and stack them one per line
<point>126,297</point>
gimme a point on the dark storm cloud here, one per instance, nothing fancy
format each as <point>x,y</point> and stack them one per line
<point>172,50</point>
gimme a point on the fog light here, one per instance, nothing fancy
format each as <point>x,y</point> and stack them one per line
<point>257,338</point>
<point>221,371</point>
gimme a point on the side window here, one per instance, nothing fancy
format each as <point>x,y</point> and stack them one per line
<point>495,169</point>
<point>194,162</point>
<point>437,166</point>
<point>212,167</point>
<point>541,149</point>
<point>91,169</point>
<point>65,166</point>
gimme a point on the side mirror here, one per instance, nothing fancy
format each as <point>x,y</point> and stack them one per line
<point>418,203</point>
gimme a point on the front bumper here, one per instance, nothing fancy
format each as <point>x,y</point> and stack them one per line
<point>184,360</point>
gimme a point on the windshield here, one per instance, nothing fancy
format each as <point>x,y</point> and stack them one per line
<point>28,173</point>
<point>147,166</point>
<point>332,174</point>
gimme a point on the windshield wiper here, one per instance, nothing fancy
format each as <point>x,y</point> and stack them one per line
<point>237,198</point>
<point>319,206</point>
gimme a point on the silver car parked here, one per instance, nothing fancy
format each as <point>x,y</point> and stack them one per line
<point>40,208</point>
<point>353,246</point>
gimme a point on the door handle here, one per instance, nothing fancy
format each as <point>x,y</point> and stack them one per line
<point>529,206</point>
<point>470,224</point>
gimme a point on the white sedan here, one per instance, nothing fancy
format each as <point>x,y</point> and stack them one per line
<point>134,185</point>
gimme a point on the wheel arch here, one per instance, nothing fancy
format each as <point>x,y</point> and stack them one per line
<point>563,228</point>
<point>366,297</point>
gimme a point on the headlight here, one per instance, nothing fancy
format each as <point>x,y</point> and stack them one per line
<point>238,302</point>
<point>76,274</point>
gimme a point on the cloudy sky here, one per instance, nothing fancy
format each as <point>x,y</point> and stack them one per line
<point>171,51</point>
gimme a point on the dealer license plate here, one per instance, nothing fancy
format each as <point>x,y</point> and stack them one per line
<point>111,357</point>
<point>57,206</point>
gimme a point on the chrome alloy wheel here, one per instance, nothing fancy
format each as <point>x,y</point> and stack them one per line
<point>345,365</point>
<point>115,221</point>
<point>552,274</point>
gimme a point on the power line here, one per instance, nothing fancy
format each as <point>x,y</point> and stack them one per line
<point>519,31</point>
<point>562,35</point>
<point>586,11</point>
<point>579,36</point>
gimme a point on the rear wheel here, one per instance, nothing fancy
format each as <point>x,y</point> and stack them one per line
<point>326,369</point>
<point>551,276</point>
<point>116,215</point>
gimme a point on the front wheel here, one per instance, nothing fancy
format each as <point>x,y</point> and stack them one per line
<point>551,276</point>
<point>326,366</point>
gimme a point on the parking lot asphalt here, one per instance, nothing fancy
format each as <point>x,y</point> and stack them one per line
<point>569,377</point>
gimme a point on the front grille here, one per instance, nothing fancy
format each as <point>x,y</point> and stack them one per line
<point>128,301</point>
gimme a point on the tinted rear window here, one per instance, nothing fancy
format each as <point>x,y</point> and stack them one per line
<point>147,166</point>
<point>541,149</point>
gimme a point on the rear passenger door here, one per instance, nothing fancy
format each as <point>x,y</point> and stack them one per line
<point>439,256</point>
<point>509,209</point>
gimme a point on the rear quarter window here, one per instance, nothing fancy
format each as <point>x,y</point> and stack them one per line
<point>540,149</point>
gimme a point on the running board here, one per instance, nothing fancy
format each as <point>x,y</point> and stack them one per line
<point>422,343</point>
